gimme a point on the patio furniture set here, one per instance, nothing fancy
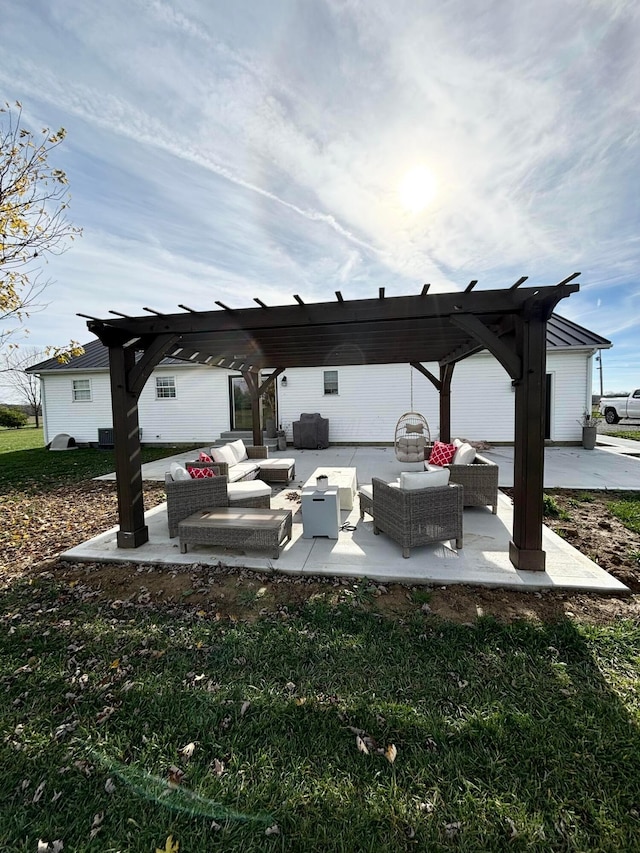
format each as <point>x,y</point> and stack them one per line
<point>418,508</point>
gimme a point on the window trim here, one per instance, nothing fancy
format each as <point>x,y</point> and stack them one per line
<point>327,386</point>
<point>171,385</point>
<point>76,390</point>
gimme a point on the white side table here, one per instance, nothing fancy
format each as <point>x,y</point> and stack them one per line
<point>320,512</point>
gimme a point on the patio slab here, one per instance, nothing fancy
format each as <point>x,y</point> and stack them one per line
<point>484,560</point>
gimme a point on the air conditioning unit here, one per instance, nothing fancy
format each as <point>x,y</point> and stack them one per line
<point>105,437</point>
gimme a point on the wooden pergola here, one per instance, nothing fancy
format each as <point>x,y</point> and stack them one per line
<point>441,327</point>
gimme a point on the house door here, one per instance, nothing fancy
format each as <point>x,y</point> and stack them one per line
<point>240,404</point>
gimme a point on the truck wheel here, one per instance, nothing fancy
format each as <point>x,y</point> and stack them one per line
<point>611,416</point>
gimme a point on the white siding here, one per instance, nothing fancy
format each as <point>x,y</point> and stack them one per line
<point>199,412</point>
<point>369,401</point>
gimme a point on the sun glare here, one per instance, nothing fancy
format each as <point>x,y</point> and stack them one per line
<point>417,189</point>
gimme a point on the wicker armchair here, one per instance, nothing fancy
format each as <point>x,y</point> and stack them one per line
<point>418,516</point>
<point>480,481</point>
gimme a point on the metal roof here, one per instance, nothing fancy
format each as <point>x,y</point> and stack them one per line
<point>561,334</point>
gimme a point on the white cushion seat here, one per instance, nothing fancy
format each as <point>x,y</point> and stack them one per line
<point>248,489</point>
<point>243,471</point>
<point>277,469</point>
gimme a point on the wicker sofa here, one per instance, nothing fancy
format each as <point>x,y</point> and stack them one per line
<point>238,461</point>
<point>184,497</point>
<point>417,516</point>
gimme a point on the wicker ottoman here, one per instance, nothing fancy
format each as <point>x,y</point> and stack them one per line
<point>277,470</point>
<point>249,493</point>
<point>237,527</point>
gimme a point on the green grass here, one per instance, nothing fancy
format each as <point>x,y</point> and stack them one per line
<point>26,464</point>
<point>627,509</point>
<point>632,434</point>
<point>521,737</point>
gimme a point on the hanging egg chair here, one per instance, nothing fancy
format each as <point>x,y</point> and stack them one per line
<point>412,437</point>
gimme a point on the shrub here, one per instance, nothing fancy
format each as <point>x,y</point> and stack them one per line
<point>12,418</point>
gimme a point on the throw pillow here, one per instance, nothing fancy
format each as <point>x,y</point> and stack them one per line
<point>465,455</point>
<point>410,481</point>
<point>224,454</point>
<point>204,457</point>
<point>200,473</point>
<point>414,427</point>
<point>239,450</point>
<point>442,453</point>
<point>178,472</point>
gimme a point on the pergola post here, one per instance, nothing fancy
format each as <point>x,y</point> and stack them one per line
<point>252,378</point>
<point>525,549</point>
<point>446,374</point>
<point>133,531</point>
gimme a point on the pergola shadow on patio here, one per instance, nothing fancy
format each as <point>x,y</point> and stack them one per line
<point>445,328</point>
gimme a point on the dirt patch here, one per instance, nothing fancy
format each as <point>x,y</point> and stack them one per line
<point>38,527</point>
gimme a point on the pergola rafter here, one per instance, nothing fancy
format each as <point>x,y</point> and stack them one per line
<point>442,327</point>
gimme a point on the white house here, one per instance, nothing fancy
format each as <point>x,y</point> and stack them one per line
<point>185,402</point>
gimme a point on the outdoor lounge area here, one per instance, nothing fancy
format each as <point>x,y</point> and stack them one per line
<point>357,551</point>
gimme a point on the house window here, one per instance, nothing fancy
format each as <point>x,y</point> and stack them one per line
<point>81,390</point>
<point>165,387</point>
<point>330,381</point>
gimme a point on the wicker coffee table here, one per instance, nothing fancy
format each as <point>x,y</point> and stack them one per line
<point>237,527</point>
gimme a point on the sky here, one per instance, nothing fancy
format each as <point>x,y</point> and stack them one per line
<point>226,151</point>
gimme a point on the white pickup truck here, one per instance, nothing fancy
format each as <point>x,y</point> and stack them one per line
<point>615,408</point>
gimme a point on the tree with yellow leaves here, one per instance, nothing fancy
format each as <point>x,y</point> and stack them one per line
<point>33,202</point>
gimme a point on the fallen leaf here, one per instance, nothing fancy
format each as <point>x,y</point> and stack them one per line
<point>97,824</point>
<point>50,847</point>
<point>390,753</point>
<point>170,846</point>
<point>452,829</point>
<point>272,830</point>
<point>361,745</point>
<point>114,664</point>
<point>245,707</point>
<point>218,767</point>
<point>104,715</point>
<point>188,750</point>
<point>38,792</point>
<point>175,776</point>
<point>110,786</point>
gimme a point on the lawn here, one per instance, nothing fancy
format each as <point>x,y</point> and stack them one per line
<point>222,716</point>
<point>322,727</point>
<point>26,464</point>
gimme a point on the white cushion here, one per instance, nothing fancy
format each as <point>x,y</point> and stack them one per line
<point>275,463</point>
<point>224,454</point>
<point>424,479</point>
<point>243,471</point>
<point>248,489</point>
<point>239,450</point>
<point>179,472</point>
<point>464,455</point>
<point>458,442</point>
<point>429,467</point>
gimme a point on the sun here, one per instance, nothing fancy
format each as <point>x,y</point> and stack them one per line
<point>417,189</point>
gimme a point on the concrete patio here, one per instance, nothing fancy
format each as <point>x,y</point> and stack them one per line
<point>358,552</point>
